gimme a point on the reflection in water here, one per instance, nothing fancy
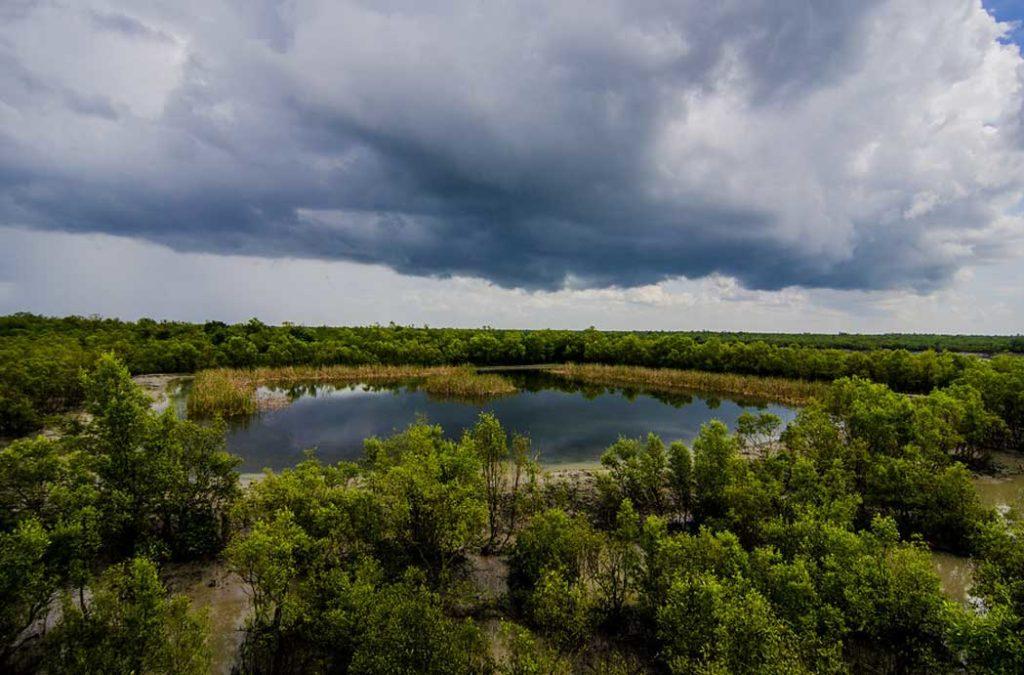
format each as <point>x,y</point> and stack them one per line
<point>568,422</point>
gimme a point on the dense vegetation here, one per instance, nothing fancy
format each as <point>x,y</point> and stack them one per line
<point>40,358</point>
<point>804,550</point>
<point>915,342</point>
<point>128,487</point>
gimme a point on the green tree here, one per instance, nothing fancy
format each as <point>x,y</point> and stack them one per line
<point>757,434</point>
<point>617,562</point>
<point>680,465</point>
<point>509,476</point>
<point>431,493</point>
<point>552,541</point>
<point>713,625</point>
<point>26,586</point>
<point>525,654</point>
<point>563,610</point>
<point>405,631</point>
<point>267,559</point>
<point>165,484</point>
<point>636,471</point>
<point>129,626</point>
<point>715,452</point>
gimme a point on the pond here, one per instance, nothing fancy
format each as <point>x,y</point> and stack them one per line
<point>568,423</point>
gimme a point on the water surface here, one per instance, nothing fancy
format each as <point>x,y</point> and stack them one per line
<point>568,424</point>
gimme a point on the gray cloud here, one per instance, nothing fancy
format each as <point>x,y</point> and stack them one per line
<point>128,25</point>
<point>538,145</point>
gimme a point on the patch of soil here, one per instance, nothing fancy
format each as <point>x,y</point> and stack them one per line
<point>211,586</point>
<point>489,575</point>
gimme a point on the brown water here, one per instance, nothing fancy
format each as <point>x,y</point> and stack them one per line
<point>999,492</point>
<point>956,573</point>
<point>1004,491</point>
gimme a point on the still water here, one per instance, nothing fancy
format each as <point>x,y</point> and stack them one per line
<point>568,424</point>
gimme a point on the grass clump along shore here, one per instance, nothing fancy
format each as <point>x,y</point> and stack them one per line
<point>234,392</point>
<point>779,389</point>
<point>466,383</point>
<point>222,391</point>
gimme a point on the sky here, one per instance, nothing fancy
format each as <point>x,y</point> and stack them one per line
<point>797,165</point>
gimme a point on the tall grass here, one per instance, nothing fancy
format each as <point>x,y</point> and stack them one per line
<point>233,392</point>
<point>222,391</point>
<point>779,389</point>
<point>466,383</point>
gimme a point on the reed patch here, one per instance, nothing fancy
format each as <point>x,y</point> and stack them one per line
<point>778,389</point>
<point>234,392</point>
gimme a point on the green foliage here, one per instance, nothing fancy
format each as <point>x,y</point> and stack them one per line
<point>40,358</point>
<point>955,422</point>
<point>345,562</point>
<point>757,434</point>
<point>432,495</point>
<point>1000,576</point>
<point>49,534</point>
<point>26,584</point>
<point>405,631</point>
<point>131,481</point>
<point>617,562</point>
<point>553,541</point>
<point>713,625</point>
<point>527,655</point>
<point>715,452</point>
<point>509,476</point>
<point>562,610</point>
<point>17,414</point>
<point>755,552</point>
<point>129,625</point>
<point>1000,381</point>
<point>897,456</point>
<point>637,472</point>
<point>680,478</point>
<point>267,559</point>
<point>165,484</point>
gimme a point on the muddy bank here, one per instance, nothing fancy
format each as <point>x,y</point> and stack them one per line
<point>212,588</point>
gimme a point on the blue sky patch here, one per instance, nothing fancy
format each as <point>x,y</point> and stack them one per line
<point>1012,11</point>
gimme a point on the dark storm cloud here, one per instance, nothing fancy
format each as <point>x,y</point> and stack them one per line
<point>539,145</point>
